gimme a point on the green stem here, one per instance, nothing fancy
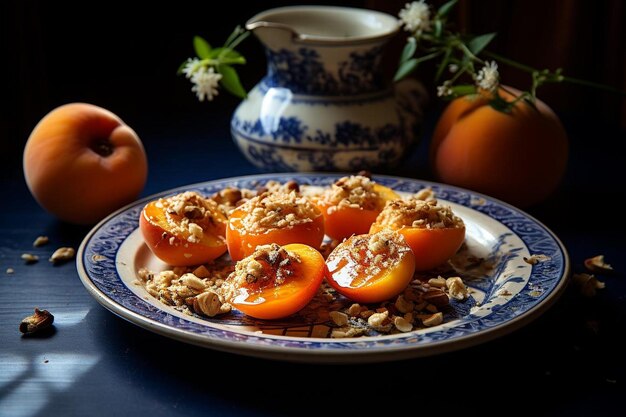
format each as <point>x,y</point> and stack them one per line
<point>509,62</point>
<point>594,85</point>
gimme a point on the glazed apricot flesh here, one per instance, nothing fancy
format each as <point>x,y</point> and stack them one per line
<point>280,218</point>
<point>185,229</point>
<point>275,282</point>
<point>432,231</point>
<point>371,268</point>
<point>351,205</point>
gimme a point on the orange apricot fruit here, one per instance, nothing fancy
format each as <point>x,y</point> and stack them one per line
<point>293,219</point>
<point>519,156</point>
<point>81,162</point>
<point>371,268</point>
<point>343,220</point>
<point>276,283</point>
<point>185,229</point>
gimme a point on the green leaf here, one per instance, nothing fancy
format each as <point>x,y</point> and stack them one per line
<point>443,65</point>
<point>500,104</point>
<point>202,47</point>
<point>227,56</point>
<point>463,89</point>
<point>405,69</point>
<point>409,50</point>
<point>438,28</point>
<point>446,7</point>
<point>230,81</point>
<point>479,43</point>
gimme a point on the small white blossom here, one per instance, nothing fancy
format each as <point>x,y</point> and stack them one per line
<point>415,16</point>
<point>488,76</point>
<point>190,67</point>
<point>444,89</point>
<point>453,68</point>
<point>205,83</point>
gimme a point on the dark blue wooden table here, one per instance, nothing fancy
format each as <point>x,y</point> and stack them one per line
<point>570,361</point>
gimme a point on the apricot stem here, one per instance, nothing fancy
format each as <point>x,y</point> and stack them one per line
<point>102,147</point>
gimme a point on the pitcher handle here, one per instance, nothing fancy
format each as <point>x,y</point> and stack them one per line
<point>411,98</point>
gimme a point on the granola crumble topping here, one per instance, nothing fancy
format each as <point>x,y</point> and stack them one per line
<point>269,265</point>
<point>425,214</point>
<point>189,214</point>
<point>355,191</point>
<point>277,210</point>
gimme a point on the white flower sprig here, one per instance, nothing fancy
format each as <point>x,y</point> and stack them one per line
<point>432,39</point>
<point>416,17</point>
<point>213,67</point>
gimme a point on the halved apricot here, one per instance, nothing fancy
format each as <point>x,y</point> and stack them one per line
<point>275,282</point>
<point>273,218</point>
<point>351,205</point>
<point>371,268</point>
<point>185,229</point>
<point>433,232</point>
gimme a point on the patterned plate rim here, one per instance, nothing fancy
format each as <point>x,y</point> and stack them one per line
<point>103,282</point>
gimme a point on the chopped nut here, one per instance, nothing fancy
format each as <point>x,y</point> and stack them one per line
<point>433,320</point>
<point>354,310</point>
<point>403,305</point>
<point>207,303</point>
<point>62,255</point>
<point>376,320</point>
<point>29,258</point>
<point>402,324</point>
<point>535,259</point>
<point>588,284</point>
<point>339,318</point>
<point>432,308</point>
<point>10,270</point>
<point>42,319</point>
<point>193,282</point>
<point>202,272</point>
<point>40,241</point>
<point>504,293</point>
<point>597,264</point>
<point>366,314</point>
<point>436,297</point>
<point>456,288</point>
<point>439,282</point>
<point>347,332</point>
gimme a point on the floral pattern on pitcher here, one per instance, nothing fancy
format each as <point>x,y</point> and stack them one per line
<point>303,72</point>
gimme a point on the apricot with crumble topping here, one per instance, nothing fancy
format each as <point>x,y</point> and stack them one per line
<point>351,205</point>
<point>273,217</point>
<point>432,231</point>
<point>185,229</point>
<point>274,281</point>
<point>371,268</point>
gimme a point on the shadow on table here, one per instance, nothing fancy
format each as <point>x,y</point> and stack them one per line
<point>572,348</point>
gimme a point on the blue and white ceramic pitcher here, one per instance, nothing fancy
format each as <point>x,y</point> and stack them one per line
<point>323,104</point>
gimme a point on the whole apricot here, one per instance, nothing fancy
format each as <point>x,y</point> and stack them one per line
<point>518,156</point>
<point>81,162</point>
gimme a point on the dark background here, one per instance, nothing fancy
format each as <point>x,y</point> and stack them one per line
<point>123,56</point>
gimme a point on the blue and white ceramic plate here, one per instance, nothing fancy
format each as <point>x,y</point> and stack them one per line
<point>506,291</point>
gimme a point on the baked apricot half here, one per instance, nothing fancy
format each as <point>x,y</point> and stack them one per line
<point>371,268</point>
<point>277,217</point>
<point>432,231</point>
<point>351,205</point>
<point>185,229</point>
<point>274,281</point>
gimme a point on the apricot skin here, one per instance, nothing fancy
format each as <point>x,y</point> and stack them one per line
<point>66,174</point>
<point>519,157</point>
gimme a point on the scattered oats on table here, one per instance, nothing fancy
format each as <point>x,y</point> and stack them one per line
<point>29,258</point>
<point>40,241</point>
<point>62,254</point>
